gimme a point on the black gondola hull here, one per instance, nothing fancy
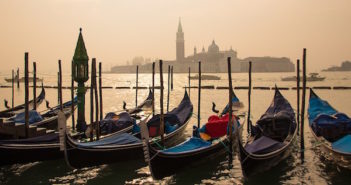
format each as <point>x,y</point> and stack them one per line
<point>26,154</point>
<point>79,157</point>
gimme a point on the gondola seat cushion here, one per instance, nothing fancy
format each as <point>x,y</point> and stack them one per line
<point>192,144</point>
<point>113,123</point>
<point>263,145</point>
<point>34,117</point>
<point>119,139</point>
<point>343,144</point>
<point>216,126</point>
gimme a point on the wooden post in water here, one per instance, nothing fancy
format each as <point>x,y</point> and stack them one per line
<point>72,99</point>
<point>96,123</point>
<point>303,104</point>
<point>60,85</point>
<point>18,83</point>
<point>13,88</point>
<point>100,92</point>
<point>35,85</point>
<point>136,88</point>
<point>168,86</point>
<point>230,113</point>
<point>153,88</point>
<point>189,82</point>
<point>298,93</point>
<point>249,99</point>
<point>162,124</point>
<point>92,102</point>
<point>172,78</point>
<point>199,98</point>
<point>26,94</point>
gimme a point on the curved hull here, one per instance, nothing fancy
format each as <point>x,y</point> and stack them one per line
<point>166,164</point>
<point>79,157</point>
<point>251,165</point>
<point>12,111</point>
<point>13,154</point>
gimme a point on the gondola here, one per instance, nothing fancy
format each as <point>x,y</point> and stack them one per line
<point>12,111</point>
<point>126,146</point>
<point>271,139</point>
<point>331,129</point>
<point>208,142</point>
<point>39,122</point>
<point>39,148</point>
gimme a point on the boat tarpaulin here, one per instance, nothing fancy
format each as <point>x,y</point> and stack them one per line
<point>192,144</point>
<point>263,145</point>
<point>34,117</point>
<point>178,115</point>
<point>113,122</point>
<point>119,139</point>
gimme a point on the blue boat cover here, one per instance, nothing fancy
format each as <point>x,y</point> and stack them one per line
<point>326,121</point>
<point>178,115</point>
<point>263,145</point>
<point>318,106</point>
<point>34,117</point>
<point>192,144</point>
<point>113,122</point>
<point>119,139</point>
<point>343,144</point>
<point>234,100</point>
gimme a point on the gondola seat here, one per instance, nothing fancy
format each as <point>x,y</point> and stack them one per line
<point>217,126</point>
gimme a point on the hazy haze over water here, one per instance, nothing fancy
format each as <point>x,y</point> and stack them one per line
<point>116,31</point>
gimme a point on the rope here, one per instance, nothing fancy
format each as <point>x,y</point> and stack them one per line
<point>158,144</point>
<point>225,146</point>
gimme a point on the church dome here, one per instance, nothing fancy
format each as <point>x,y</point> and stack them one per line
<point>213,48</point>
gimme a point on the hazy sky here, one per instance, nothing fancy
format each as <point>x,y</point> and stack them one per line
<point>115,31</point>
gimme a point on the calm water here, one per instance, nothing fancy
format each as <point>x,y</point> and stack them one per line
<point>314,170</point>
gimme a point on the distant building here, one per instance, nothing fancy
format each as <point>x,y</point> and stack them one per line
<point>345,66</point>
<point>213,61</point>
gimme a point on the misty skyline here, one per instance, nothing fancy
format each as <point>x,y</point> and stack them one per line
<point>117,31</point>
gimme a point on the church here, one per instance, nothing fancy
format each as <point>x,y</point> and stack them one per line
<point>213,60</point>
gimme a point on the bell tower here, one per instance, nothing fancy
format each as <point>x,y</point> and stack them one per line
<point>180,43</point>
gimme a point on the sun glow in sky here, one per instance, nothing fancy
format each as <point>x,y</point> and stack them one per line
<point>118,30</point>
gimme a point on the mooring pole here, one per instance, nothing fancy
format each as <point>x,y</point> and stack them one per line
<point>298,94</point>
<point>100,92</point>
<point>60,85</point>
<point>97,124</point>
<point>249,99</point>
<point>153,88</point>
<point>92,102</point>
<point>189,82</point>
<point>199,98</point>
<point>168,86</point>
<point>136,88</point>
<point>18,82</point>
<point>72,98</point>
<point>26,94</point>
<point>35,85</point>
<point>162,126</point>
<point>230,122</point>
<point>13,88</point>
<point>303,104</point>
<point>172,78</point>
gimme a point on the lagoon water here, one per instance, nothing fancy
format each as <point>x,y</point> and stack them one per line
<point>314,169</point>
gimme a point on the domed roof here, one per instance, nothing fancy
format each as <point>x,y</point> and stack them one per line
<point>213,48</point>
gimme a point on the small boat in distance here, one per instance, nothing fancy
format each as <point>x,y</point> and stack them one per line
<point>311,78</point>
<point>30,79</point>
<point>205,77</point>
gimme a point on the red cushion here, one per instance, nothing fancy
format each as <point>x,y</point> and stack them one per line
<point>153,131</point>
<point>216,126</point>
